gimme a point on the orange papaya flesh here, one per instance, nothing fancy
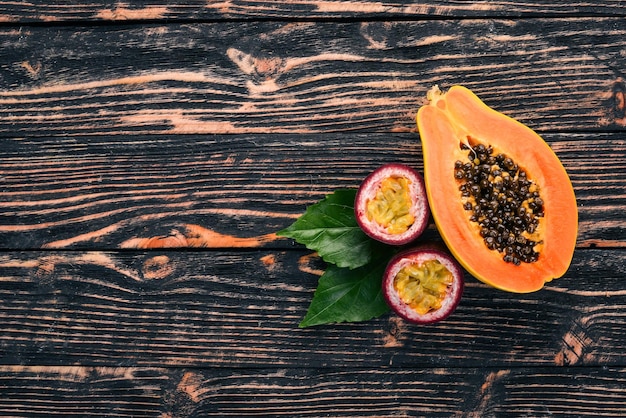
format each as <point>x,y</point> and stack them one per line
<point>459,117</point>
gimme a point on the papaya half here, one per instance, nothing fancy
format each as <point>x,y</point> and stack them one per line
<point>500,198</point>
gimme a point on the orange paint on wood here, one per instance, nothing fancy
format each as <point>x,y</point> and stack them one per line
<point>88,236</point>
<point>269,261</point>
<point>601,243</point>
<point>157,267</point>
<point>33,70</point>
<point>175,240</point>
<point>196,236</point>
<point>199,236</point>
<point>65,373</point>
<point>351,6</point>
<point>190,385</point>
<point>575,343</point>
<point>393,338</point>
<point>124,13</point>
<point>48,264</point>
<point>487,392</point>
<point>182,76</point>
<point>184,124</point>
<point>304,264</point>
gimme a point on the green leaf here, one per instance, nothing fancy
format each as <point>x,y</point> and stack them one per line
<point>345,295</point>
<point>330,228</point>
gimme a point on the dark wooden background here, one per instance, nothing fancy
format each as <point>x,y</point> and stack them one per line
<point>150,150</point>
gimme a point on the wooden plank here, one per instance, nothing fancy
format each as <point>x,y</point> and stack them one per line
<point>236,191</point>
<point>306,77</point>
<point>381,392</point>
<point>72,391</point>
<point>58,11</point>
<point>229,309</point>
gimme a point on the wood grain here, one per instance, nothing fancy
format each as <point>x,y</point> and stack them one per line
<point>305,77</point>
<point>236,191</point>
<point>380,392</point>
<point>57,11</point>
<point>150,150</point>
<point>238,309</point>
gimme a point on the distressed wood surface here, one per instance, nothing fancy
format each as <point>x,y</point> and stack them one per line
<point>98,11</point>
<point>215,191</point>
<point>163,392</point>
<point>234,309</point>
<point>150,151</point>
<point>305,77</point>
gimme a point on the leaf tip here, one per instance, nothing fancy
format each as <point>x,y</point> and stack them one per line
<point>282,232</point>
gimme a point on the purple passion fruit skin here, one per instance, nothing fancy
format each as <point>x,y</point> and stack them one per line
<point>391,205</point>
<point>423,285</point>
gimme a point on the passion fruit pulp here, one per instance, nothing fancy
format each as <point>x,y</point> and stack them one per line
<point>391,204</point>
<point>423,285</point>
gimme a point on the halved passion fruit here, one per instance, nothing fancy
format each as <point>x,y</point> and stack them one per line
<point>423,285</point>
<point>391,205</point>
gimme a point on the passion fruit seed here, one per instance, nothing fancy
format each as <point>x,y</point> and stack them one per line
<point>502,201</point>
<point>423,286</point>
<point>391,206</point>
